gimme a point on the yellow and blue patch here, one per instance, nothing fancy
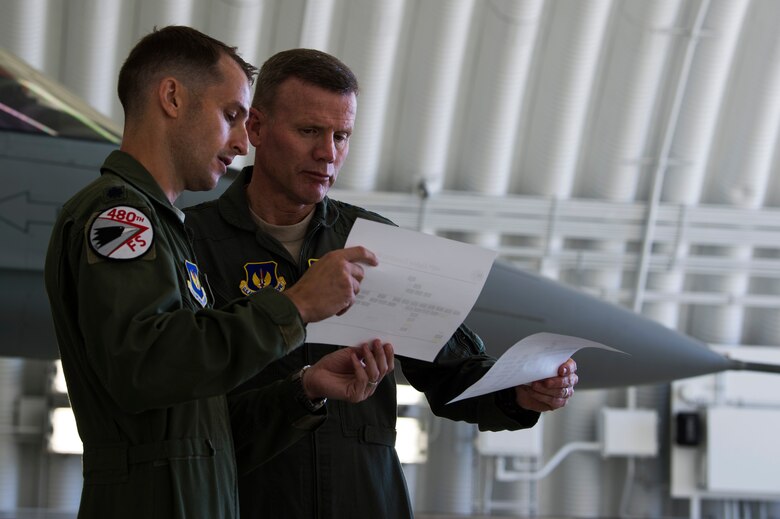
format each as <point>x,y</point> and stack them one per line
<point>261,275</point>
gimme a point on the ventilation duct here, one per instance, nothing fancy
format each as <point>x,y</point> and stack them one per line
<point>317,22</point>
<point>429,94</point>
<point>373,61</point>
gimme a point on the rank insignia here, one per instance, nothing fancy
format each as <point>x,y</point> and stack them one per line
<point>121,233</point>
<point>261,275</point>
<point>194,284</point>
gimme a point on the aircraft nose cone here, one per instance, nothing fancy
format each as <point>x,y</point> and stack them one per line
<point>514,304</point>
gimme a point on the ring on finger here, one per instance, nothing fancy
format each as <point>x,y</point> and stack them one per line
<point>373,383</point>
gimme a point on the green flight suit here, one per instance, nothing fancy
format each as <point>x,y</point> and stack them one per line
<point>148,362</point>
<point>348,468</point>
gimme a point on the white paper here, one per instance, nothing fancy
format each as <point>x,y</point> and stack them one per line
<point>418,295</point>
<point>535,357</point>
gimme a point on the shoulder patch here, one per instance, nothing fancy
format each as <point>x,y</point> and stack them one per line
<point>121,233</point>
<point>194,284</point>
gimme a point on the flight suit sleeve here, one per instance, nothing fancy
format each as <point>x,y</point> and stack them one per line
<point>147,345</point>
<point>267,420</point>
<point>460,363</point>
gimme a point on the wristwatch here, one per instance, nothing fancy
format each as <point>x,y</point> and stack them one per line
<point>300,393</point>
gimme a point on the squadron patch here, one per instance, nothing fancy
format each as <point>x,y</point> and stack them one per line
<point>194,284</point>
<point>261,275</point>
<point>121,233</point>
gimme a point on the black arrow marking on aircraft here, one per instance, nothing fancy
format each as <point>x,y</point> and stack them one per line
<point>20,211</point>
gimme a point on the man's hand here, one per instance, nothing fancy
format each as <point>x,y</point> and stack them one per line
<point>330,285</point>
<point>550,393</point>
<point>350,374</point>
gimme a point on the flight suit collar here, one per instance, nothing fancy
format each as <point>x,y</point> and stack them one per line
<point>131,171</point>
<point>234,208</point>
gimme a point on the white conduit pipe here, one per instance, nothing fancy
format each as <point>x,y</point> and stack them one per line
<point>615,165</point>
<point>91,64</point>
<point>434,77</point>
<point>503,474</point>
<point>500,81</point>
<point>317,24</point>
<point>665,313</point>
<point>692,138</point>
<point>668,317</point>
<point>375,47</point>
<point>641,46</point>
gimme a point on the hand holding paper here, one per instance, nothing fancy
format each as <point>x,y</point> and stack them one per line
<point>418,295</point>
<point>533,358</point>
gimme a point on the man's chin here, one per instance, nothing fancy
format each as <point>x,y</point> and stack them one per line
<point>317,196</point>
<point>215,177</point>
<point>206,185</point>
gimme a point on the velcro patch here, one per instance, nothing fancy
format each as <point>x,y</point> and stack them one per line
<point>194,284</point>
<point>121,233</point>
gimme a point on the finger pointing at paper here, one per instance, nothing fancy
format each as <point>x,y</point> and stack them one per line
<point>330,285</point>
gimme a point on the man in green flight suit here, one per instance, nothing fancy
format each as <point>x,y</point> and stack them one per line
<point>273,226</point>
<point>147,360</point>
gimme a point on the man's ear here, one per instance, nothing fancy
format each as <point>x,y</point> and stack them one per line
<point>254,124</point>
<point>170,94</point>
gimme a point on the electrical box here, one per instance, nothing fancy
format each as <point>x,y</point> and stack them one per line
<point>734,452</point>
<point>525,442</point>
<point>743,452</point>
<point>628,432</point>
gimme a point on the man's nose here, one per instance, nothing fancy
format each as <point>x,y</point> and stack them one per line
<point>240,140</point>
<point>326,149</point>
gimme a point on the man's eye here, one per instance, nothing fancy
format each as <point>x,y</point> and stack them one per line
<point>231,116</point>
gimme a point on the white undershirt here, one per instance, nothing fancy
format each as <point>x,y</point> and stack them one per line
<point>291,236</point>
